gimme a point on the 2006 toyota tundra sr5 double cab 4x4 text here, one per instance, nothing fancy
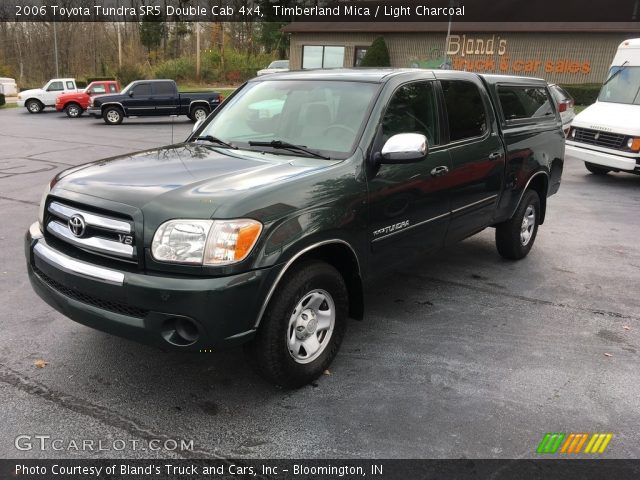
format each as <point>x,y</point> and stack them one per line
<point>265,225</point>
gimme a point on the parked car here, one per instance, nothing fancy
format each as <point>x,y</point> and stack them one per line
<point>565,103</point>
<point>75,103</point>
<point>606,135</point>
<point>267,224</point>
<point>8,87</point>
<point>275,67</point>
<point>145,98</point>
<point>35,100</point>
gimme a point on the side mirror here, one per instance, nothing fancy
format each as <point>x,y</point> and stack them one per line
<point>131,93</point>
<point>403,148</point>
<point>197,125</point>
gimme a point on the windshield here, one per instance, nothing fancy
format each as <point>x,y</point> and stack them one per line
<point>623,88</point>
<point>324,116</point>
<point>279,64</point>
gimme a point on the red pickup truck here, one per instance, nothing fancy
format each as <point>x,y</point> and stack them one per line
<point>75,103</point>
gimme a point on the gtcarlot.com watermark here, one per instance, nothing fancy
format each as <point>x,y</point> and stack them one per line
<point>27,443</point>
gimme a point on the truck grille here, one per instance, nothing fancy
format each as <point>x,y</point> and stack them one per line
<point>601,139</point>
<point>114,307</point>
<point>92,232</point>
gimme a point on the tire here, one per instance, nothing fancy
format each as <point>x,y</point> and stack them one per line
<point>515,237</point>
<point>34,106</point>
<point>596,170</point>
<point>198,112</point>
<point>112,116</point>
<point>291,321</point>
<point>73,110</point>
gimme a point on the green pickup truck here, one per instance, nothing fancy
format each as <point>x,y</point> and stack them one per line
<point>264,227</point>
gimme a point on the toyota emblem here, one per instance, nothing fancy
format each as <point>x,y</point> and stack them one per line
<point>76,225</point>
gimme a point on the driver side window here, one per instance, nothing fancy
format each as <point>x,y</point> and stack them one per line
<point>55,87</point>
<point>412,109</point>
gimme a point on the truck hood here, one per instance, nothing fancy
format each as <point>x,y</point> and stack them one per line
<point>34,92</point>
<point>610,117</point>
<point>183,178</point>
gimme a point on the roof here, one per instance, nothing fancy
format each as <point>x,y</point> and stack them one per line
<point>377,75</point>
<point>441,27</point>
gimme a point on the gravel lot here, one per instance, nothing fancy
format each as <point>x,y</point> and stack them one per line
<point>461,355</point>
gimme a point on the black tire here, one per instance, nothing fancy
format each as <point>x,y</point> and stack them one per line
<point>73,110</point>
<point>511,240</point>
<point>269,351</point>
<point>198,111</point>
<point>34,106</point>
<point>596,170</point>
<point>112,115</point>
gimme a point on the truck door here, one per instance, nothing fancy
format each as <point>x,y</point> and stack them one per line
<point>52,91</point>
<point>165,98</point>
<point>140,101</point>
<point>409,204</point>
<point>477,156</point>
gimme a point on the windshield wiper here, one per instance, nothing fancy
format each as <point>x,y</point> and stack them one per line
<point>287,146</point>
<point>212,139</point>
<point>616,73</point>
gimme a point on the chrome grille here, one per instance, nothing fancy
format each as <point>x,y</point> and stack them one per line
<point>92,232</point>
<point>601,139</point>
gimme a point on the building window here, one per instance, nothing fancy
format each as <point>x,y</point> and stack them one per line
<point>360,52</point>
<point>322,57</point>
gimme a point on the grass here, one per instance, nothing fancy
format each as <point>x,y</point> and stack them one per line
<point>194,87</point>
<point>579,108</point>
<point>9,105</point>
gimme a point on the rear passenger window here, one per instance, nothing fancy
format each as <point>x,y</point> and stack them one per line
<point>412,109</point>
<point>112,88</point>
<point>465,109</point>
<point>525,102</point>
<point>70,86</point>
<point>163,88</point>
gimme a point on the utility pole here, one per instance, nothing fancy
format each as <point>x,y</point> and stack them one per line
<point>119,45</point>
<point>198,50</point>
<point>55,47</point>
<point>452,4</point>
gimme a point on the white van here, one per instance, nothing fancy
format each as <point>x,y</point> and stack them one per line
<point>606,135</point>
<point>8,87</point>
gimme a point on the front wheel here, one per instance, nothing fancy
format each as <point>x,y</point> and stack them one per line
<point>199,113</point>
<point>34,106</point>
<point>515,237</point>
<point>112,116</point>
<point>303,326</point>
<point>73,110</point>
<point>595,169</point>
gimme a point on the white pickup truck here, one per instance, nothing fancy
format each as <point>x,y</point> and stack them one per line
<point>36,99</point>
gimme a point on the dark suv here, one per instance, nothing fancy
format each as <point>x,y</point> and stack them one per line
<point>266,224</point>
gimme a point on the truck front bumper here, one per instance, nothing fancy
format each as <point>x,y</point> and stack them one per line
<point>616,162</point>
<point>95,112</point>
<point>180,312</point>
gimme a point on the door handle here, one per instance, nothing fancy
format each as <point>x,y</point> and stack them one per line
<point>495,155</point>
<point>439,171</point>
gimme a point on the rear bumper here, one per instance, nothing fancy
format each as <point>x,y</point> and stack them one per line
<point>147,308</point>
<point>617,162</point>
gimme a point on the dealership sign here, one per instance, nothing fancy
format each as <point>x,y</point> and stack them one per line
<point>490,54</point>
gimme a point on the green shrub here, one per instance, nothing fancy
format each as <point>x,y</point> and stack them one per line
<point>235,67</point>
<point>377,55</point>
<point>2,100</point>
<point>585,93</point>
<point>183,68</point>
<point>128,73</point>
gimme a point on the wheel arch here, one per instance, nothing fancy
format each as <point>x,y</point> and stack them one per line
<point>538,182</point>
<point>337,253</point>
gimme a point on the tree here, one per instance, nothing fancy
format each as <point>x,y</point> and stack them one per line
<point>377,55</point>
<point>151,31</point>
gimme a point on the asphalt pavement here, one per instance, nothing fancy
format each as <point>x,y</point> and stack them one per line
<point>461,355</point>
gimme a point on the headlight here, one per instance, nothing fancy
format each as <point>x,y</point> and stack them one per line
<point>43,201</point>
<point>205,242</point>
<point>633,144</point>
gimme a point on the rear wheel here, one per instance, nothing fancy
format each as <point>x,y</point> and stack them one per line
<point>34,106</point>
<point>303,326</point>
<point>199,112</point>
<point>73,110</point>
<point>515,237</point>
<point>112,116</point>
<point>595,169</point>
